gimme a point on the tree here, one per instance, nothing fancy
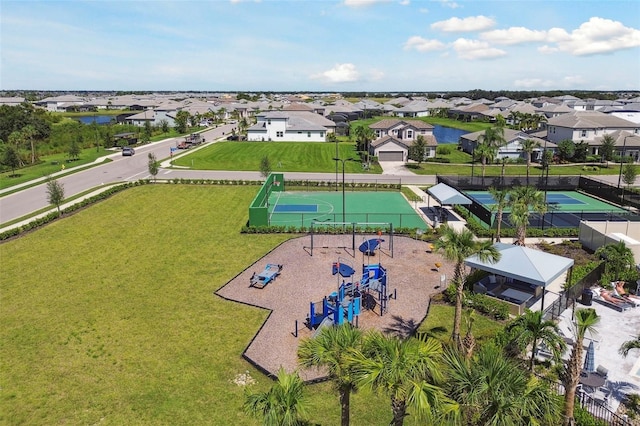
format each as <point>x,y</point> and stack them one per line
<point>331,137</point>
<point>456,246</point>
<point>283,404</point>
<point>330,349</point>
<point>607,148</point>
<point>154,165</point>
<point>74,150</point>
<point>181,121</point>
<point>491,389</point>
<point>146,131</point>
<point>629,174</point>
<point>11,158</point>
<point>529,329</point>
<point>16,140</point>
<point>407,370</point>
<point>501,197</point>
<point>586,320</point>
<point>523,200</point>
<point>486,153</point>
<point>528,146</point>
<point>30,133</point>
<point>417,150</point>
<point>581,152</point>
<point>265,166</point>
<point>629,345</point>
<point>164,125</point>
<point>566,149</point>
<point>55,193</point>
<point>493,137</point>
<point>364,135</point>
<point>619,260</point>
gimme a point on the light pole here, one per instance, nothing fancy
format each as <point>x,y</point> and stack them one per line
<point>337,155</point>
<point>624,145</point>
<point>336,159</point>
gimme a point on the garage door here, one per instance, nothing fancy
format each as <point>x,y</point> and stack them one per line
<point>391,156</point>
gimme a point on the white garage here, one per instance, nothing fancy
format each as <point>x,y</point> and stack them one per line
<point>391,156</point>
<point>388,148</point>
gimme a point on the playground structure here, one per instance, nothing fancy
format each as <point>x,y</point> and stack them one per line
<point>350,229</point>
<point>346,304</point>
<point>269,274</point>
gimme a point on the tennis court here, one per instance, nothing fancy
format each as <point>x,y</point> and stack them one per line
<point>292,208</point>
<point>565,209</point>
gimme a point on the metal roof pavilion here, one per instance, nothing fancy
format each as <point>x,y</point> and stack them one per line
<point>524,264</point>
<point>447,195</point>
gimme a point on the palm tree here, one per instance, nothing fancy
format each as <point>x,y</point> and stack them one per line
<point>528,146</point>
<point>469,342</point>
<point>529,329</point>
<point>522,200</point>
<point>493,137</point>
<point>407,370</point>
<point>586,320</point>
<point>619,259</point>
<point>629,345</point>
<point>283,404</point>
<point>456,246</point>
<point>330,349</point>
<point>491,389</point>
<point>487,154</point>
<point>501,198</point>
<point>364,135</point>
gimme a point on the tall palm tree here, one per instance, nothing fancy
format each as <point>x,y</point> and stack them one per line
<point>523,200</point>
<point>283,404</point>
<point>456,246</point>
<point>501,198</point>
<point>491,389</point>
<point>529,329</point>
<point>528,146</point>
<point>629,345</point>
<point>330,349</point>
<point>493,137</point>
<point>487,154</point>
<point>586,320</point>
<point>407,370</point>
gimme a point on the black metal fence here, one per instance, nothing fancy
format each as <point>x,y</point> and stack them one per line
<point>611,193</point>
<point>569,297</point>
<point>478,183</point>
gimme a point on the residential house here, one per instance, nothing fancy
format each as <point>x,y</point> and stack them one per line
<point>513,147</point>
<point>292,126</point>
<point>395,137</point>
<point>587,126</point>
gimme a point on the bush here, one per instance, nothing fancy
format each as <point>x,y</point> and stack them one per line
<point>437,160</point>
<point>584,418</point>
<point>443,150</point>
<point>484,304</point>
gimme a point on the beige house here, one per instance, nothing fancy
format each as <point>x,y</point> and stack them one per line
<point>395,137</point>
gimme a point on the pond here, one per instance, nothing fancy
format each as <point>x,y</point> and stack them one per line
<point>100,119</point>
<point>447,134</point>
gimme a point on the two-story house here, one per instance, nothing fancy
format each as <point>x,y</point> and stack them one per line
<point>395,137</point>
<point>291,126</point>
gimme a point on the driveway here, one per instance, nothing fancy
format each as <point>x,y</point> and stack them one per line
<point>395,168</point>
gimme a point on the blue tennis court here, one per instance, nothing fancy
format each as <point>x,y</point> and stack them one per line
<point>295,208</point>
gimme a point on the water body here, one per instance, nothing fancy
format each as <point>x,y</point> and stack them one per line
<point>100,119</point>
<point>447,134</point>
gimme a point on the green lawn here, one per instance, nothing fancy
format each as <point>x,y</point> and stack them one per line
<point>511,170</point>
<point>284,156</point>
<point>108,316</point>
<point>441,315</point>
<point>50,164</point>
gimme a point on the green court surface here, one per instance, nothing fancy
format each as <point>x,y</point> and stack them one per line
<point>558,201</point>
<point>301,208</point>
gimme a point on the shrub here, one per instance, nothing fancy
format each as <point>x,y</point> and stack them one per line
<point>443,150</point>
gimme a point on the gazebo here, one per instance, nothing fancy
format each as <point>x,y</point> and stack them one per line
<point>447,195</point>
<point>525,273</point>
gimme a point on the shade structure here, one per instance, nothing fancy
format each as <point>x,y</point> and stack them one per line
<point>524,264</point>
<point>447,195</point>
<point>590,358</point>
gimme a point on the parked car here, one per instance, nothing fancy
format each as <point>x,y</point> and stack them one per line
<point>127,151</point>
<point>232,138</point>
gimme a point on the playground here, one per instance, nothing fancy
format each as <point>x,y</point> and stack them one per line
<point>304,279</point>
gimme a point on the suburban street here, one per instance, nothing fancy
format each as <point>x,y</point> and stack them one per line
<point>31,199</point>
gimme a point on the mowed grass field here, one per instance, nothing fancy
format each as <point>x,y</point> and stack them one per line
<point>283,156</point>
<point>109,317</point>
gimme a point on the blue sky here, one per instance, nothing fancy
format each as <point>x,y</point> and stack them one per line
<point>348,45</point>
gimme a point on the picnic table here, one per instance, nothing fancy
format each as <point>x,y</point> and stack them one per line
<point>270,273</point>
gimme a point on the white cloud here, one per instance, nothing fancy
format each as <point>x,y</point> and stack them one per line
<point>450,4</point>
<point>404,2</point>
<point>476,49</point>
<point>423,10</point>
<point>363,3</point>
<point>533,83</point>
<point>513,35</point>
<point>422,44</point>
<point>568,82</point>
<point>340,73</point>
<point>472,23</point>
<point>375,75</point>
<point>596,36</point>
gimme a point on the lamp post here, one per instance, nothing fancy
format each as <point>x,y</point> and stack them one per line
<point>336,159</point>
<point>336,164</point>
<point>624,146</point>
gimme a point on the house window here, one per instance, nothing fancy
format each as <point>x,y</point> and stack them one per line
<point>322,134</point>
<point>308,134</point>
<point>409,134</point>
<point>269,121</point>
<point>583,134</point>
<point>279,134</point>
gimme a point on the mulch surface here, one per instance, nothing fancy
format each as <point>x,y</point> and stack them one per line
<point>304,278</point>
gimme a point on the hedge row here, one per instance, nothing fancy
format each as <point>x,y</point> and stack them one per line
<point>248,229</point>
<point>482,303</point>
